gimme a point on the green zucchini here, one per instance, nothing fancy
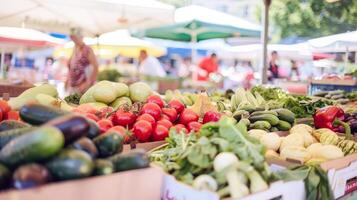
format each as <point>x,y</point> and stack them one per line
<point>264,112</point>
<point>5,176</point>
<point>272,119</point>
<point>109,143</point>
<point>245,121</point>
<point>71,164</point>
<point>7,136</point>
<point>12,124</point>
<point>37,114</point>
<point>285,115</point>
<point>274,129</point>
<point>264,125</point>
<point>135,159</point>
<point>239,114</point>
<point>103,167</point>
<point>40,144</point>
<point>283,125</point>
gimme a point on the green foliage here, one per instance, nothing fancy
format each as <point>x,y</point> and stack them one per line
<point>109,75</point>
<point>312,18</point>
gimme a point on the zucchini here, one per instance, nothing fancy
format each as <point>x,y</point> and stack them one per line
<point>103,167</point>
<point>5,176</point>
<point>70,164</point>
<point>37,114</point>
<point>245,121</point>
<point>73,127</point>
<point>135,159</point>
<point>285,115</point>
<point>12,124</point>
<point>263,125</point>
<point>109,143</point>
<point>283,125</point>
<point>7,136</point>
<point>274,129</point>
<point>30,175</point>
<point>239,114</point>
<point>85,144</point>
<point>264,112</point>
<point>94,130</point>
<point>40,144</point>
<point>272,119</point>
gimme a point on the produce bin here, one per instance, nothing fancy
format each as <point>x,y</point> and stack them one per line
<point>173,189</point>
<point>342,172</point>
<point>331,85</point>
<point>147,146</point>
<point>135,184</point>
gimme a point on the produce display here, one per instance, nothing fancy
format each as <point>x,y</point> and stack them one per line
<point>220,142</point>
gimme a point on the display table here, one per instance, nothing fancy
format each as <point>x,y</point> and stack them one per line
<point>13,90</point>
<point>332,84</point>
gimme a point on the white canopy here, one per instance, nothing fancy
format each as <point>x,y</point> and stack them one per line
<point>335,43</point>
<point>94,16</point>
<point>194,12</point>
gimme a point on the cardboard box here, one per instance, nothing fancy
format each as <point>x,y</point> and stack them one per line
<point>147,146</point>
<point>175,190</point>
<point>342,172</point>
<point>134,184</point>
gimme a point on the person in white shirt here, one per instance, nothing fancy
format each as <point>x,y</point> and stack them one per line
<point>150,66</point>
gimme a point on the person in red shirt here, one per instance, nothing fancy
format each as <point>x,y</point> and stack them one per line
<point>208,65</point>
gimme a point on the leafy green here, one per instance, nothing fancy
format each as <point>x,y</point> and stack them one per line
<point>73,98</point>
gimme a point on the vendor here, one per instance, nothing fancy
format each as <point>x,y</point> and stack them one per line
<point>273,66</point>
<point>207,66</point>
<point>83,66</point>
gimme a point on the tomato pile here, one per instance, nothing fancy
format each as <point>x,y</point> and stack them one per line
<point>6,113</point>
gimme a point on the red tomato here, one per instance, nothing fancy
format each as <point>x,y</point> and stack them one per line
<point>148,118</point>
<point>165,122</point>
<point>179,107</point>
<point>104,125</point>
<point>155,99</point>
<point>124,118</point>
<point>171,113</point>
<point>160,133</point>
<point>211,116</point>
<point>165,117</point>
<point>123,132</point>
<point>12,114</point>
<point>92,116</point>
<point>188,116</point>
<point>152,109</point>
<point>194,126</point>
<point>142,130</point>
<point>104,112</point>
<point>180,127</point>
<point>4,106</point>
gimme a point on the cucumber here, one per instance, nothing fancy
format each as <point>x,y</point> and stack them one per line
<point>283,125</point>
<point>30,175</point>
<point>264,125</point>
<point>239,114</point>
<point>7,136</point>
<point>37,114</point>
<point>274,129</point>
<point>40,144</point>
<point>272,119</point>
<point>5,176</point>
<point>85,144</point>
<point>103,167</point>
<point>109,143</point>
<point>73,127</point>
<point>245,121</point>
<point>264,112</point>
<point>285,115</point>
<point>94,130</point>
<point>71,164</point>
<point>12,124</point>
<point>135,159</point>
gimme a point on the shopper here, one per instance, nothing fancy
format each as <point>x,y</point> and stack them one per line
<point>83,66</point>
<point>208,65</point>
<point>150,66</point>
<point>294,72</point>
<point>273,66</point>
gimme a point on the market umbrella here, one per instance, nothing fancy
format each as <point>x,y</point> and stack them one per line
<point>196,23</point>
<point>93,16</point>
<point>111,44</point>
<point>13,37</point>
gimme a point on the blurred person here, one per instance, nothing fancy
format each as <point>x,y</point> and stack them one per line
<point>273,66</point>
<point>149,65</point>
<point>83,66</point>
<point>184,68</point>
<point>207,65</point>
<point>47,69</point>
<point>294,72</point>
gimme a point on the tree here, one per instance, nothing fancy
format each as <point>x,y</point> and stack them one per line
<point>312,18</point>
